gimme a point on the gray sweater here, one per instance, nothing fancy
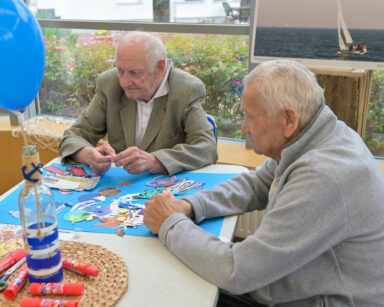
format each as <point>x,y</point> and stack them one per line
<point>321,241</point>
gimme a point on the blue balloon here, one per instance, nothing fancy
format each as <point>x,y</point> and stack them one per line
<point>22,55</point>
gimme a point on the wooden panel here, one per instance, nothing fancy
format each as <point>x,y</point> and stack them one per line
<point>347,94</point>
<point>10,156</point>
<point>237,154</point>
<point>342,96</point>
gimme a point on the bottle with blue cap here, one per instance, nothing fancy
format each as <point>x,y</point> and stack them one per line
<point>38,221</point>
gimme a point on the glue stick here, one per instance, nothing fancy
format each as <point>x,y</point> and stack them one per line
<point>38,302</point>
<point>11,259</point>
<point>78,267</point>
<point>56,288</point>
<point>14,287</point>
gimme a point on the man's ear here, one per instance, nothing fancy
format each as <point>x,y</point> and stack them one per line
<point>291,122</point>
<point>161,65</point>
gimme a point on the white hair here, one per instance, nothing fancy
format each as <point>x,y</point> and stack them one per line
<point>287,83</point>
<point>153,46</point>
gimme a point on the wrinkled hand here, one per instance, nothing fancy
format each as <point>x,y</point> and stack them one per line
<point>160,207</point>
<point>99,159</point>
<point>136,161</point>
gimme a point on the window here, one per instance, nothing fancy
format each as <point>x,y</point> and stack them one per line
<point>217,54</point>
<point>73,44</point>
<point>173,11</point>
<point>127,1</point>
<point>220,61</point>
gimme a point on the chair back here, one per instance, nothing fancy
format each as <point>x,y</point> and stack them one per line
<point>227,9</point>
<point>211,119</point>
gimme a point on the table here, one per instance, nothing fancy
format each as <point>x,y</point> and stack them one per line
<point>156,277</point>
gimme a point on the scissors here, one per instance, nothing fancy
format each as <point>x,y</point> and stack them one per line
<point>9,272</point>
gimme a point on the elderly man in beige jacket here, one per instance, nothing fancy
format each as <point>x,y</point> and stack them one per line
<point>150,111</point>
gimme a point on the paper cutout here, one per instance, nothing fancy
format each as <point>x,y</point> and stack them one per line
<point>109,192</point>
<point>180,187</point>
<point>148,193</point>
<point>56,170</point>
<point>104,211</point>
<point>127,184</point>
<point>78,171</point>
<point>111,222</point>
<point>70,182</point>
<point>167,182</point>
<point>76,216</point>
<point>185,185</point>
<point>11,238</point>
<point>100,198</point>
<point>65,192</point>
<point>84,204</point>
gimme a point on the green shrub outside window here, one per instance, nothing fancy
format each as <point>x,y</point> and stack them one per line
<point>74,61</point>
<point>374,131</point>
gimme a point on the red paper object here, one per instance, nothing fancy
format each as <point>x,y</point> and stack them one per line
<point>81,268</point>
<point>38,302</point>
<point>11,259</point>
<point>14,287</point>
<point>56,288</point>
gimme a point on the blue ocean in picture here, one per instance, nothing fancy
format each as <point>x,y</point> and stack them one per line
<point>316,43</point>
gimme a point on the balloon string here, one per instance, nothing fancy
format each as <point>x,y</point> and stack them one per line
<point>39,215</point>
<point>20,119</point>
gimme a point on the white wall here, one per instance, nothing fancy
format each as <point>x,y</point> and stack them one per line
<point>201,9</point>
<point>99,9</point>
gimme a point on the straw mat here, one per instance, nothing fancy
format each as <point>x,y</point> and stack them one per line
<point>104,290</point>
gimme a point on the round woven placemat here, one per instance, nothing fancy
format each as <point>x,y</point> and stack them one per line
<point>104,290</point>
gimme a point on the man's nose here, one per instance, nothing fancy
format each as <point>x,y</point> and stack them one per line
<point>125,80</point>
<point>244,127</point>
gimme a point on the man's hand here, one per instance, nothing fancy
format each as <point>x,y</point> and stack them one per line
<point>137,161</point>
<point>161,206</point>
<point>99,159</point>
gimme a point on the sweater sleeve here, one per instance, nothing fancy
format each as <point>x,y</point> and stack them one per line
<point>305,218</point>
<point>242,193</point>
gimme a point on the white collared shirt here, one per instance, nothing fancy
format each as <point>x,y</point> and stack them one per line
<point>144,109</point>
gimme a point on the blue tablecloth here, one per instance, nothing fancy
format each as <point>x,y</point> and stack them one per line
<point>113,179</point>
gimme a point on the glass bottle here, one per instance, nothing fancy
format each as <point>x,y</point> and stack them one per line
<point>39,223</point>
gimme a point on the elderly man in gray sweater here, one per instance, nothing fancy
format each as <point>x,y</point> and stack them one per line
<point>321,241</point>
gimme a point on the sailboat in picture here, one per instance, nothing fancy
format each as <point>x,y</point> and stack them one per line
<point>346,44</point>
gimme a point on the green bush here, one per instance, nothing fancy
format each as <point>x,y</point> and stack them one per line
<point>374,135</point>
<point>74,62</point>
<point>92,56</point>
<point>57,74</point>
<point>221,62</point>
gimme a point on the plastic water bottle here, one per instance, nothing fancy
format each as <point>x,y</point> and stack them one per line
<point>39,223</point>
